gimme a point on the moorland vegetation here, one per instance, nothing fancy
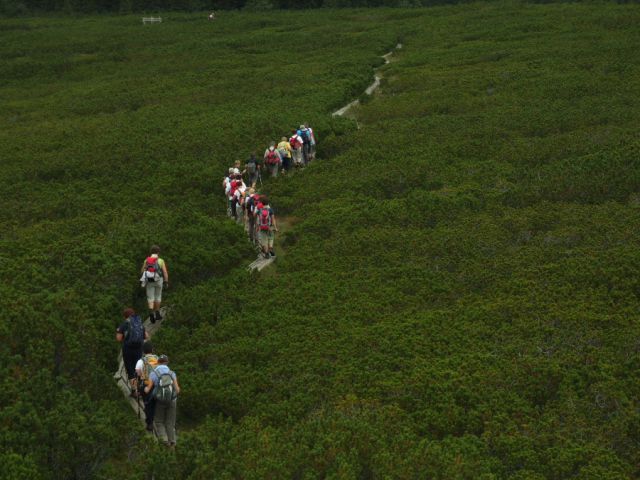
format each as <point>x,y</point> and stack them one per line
<point>457,292</point>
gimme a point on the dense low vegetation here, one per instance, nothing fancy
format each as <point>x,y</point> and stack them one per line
<point>456,295</point>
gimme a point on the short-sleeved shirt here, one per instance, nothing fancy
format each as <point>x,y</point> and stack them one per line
<point>155,375</point>
<point>124,328</point>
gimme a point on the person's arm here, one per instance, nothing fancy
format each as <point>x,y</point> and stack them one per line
<point>144,266</point>
<point>149,386</point>
<point>165,273</point>
<point>175,382</point>
<point>146,334</point>
<point>119,336</point>
<point>273,220</point>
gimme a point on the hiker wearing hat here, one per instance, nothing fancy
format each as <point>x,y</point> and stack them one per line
<point>266,226</point>
<point>305,135</point>
<point>272,159</point>
<point>312,146</point>
<point>164,388</point>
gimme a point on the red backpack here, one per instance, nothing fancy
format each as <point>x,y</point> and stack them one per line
<point>293,141</point>
<point>264,219</point>
<point>153,271</point>
<point>272,157</point>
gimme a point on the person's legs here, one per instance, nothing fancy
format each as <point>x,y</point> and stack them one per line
<point>271,237</point>
<point>149,411</point>
<point>151,295</point>
<point>274,170</point>
<point>263,238</point>
<point>160,422</point>
<point>170,422</point>
<point>130,355</point>
<point>157,300</point>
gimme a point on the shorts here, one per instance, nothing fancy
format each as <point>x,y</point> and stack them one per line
<point>265,237</point>
<point>154,291</point>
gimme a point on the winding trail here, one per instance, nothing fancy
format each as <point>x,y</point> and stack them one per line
<point>371,88</point>
<point>259,264</point>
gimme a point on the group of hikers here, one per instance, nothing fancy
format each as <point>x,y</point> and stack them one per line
<point>149,377</point>
<point>252,209</point>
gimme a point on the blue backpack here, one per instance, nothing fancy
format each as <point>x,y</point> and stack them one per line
<point>135,333</point>
<point>306,138</point>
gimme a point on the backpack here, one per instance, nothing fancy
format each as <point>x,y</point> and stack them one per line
<point>294,142</point>
<point>264,219</point>
<point>153,271</point>
<point>283,152</point>
<point>134,335</point>
<point>272,157</point>
<point>251,166</point>
<point>165,391</point>
<point>306,138</point>
<point>149,363</point>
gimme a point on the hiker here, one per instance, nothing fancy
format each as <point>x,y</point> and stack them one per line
<point>266,227</point>
<point>144,367</point>
<point>272,159</point>
<point>131,333</point>
<point>229,190</point>
<point>154,277</point>
<point>296,147</point>
<point>312,147</point>
<point>250,205</point>
<point>305,135</point>
<point>252,169</point>
<point>285,153</point>
<point>236,188</point>
<point>165,389</point>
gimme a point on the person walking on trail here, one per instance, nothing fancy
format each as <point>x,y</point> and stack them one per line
<point>252,169</point>
<point>155,277</point>
<point>250,205</point>
<point>304,133</point>
<point>312,146</point>
<point>144,367</point>
<point>285,153</point>
<point>237,187</point>
<point>296,147</point>
<point>165,389</point>
<point>272,159</point>
<point>266,226</point>
<point>131,333</point>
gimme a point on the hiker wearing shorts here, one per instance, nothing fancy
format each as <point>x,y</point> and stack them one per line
<point>143,370</point>
<point>266,227</point>
<point>164,420</point>
<point>131,333</point>
<point>296,147</point>
<point>154,282</point>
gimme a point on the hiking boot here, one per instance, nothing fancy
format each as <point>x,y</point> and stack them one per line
<point>158,315</point>
<point>266,255</point>
<point>149,427</point>
<point>273,254</point>
<point>152,318</point>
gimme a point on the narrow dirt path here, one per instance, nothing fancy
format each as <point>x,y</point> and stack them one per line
<point>371,88</point>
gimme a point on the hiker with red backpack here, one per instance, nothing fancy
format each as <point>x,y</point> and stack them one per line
<point>266,227</point>
<point>154,278</point>
<point>295,141</point>
<point>144,367</point>
<point>132,334</point>
<point>272,159</point>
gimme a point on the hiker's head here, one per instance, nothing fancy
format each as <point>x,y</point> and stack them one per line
<point>253,155</point>
<point>236,171</point>
<point>155,249</point>
<point>237,164</point>
<point>252,191</point>
<point>230,170</point>
<point>272,144</point>
<point>302,127</point>
<point>147,347</point>
<point>294,131</point>
<point>128,312</point>
<point>163,359</point>
<point>306,124</point>
<point>264,200</point>
<point>283,139</point>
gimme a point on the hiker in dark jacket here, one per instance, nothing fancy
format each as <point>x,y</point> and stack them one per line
<point>132,334</point>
